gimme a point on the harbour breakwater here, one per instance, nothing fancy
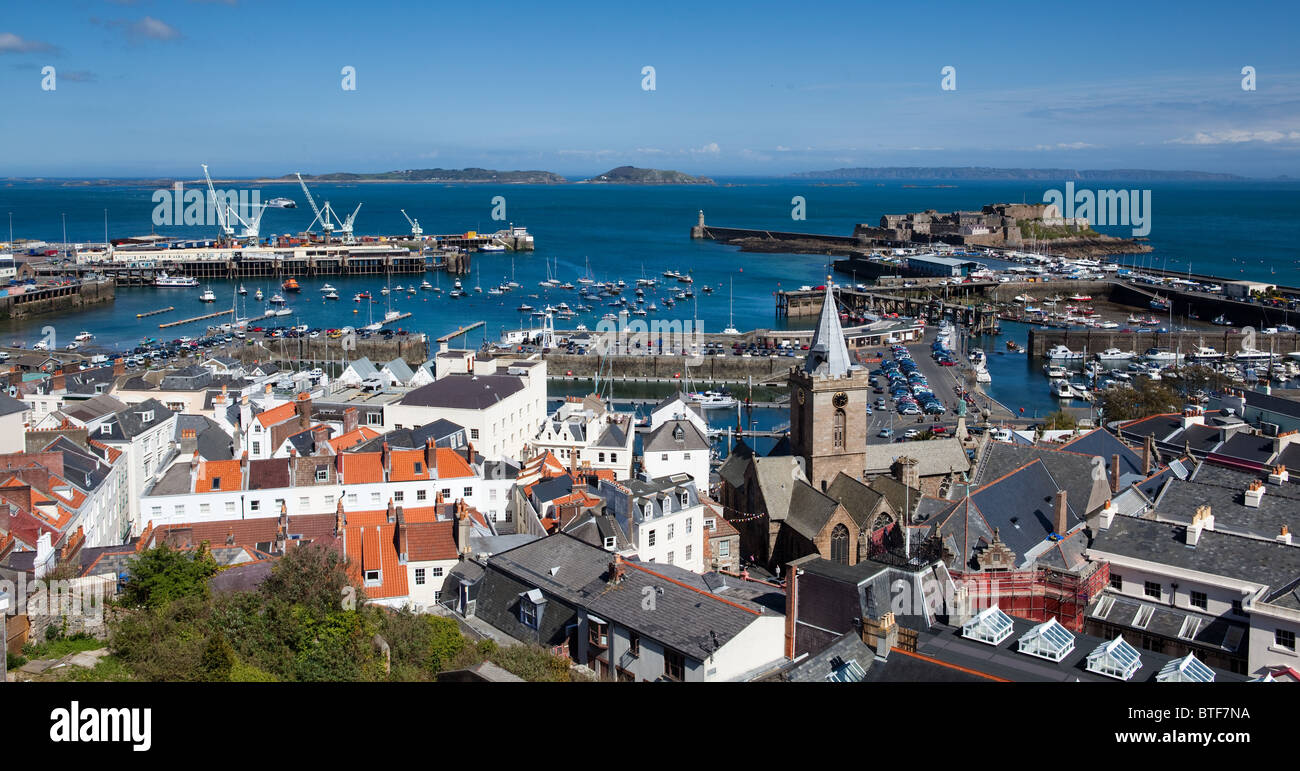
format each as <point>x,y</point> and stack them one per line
<point>705,369</point>
<point>19,302</point>
<point>1226,341</point>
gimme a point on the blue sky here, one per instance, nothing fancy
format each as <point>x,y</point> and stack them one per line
<point>253,87</point>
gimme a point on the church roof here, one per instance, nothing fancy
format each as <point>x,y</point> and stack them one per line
<point>828,356</point>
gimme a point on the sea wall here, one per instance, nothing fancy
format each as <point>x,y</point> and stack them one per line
<point>716,369</point>
<point>23,302</point>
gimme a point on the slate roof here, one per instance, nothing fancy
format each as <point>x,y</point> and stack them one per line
<point>1267,563</point>
<point>664,438</point>
<point>810,510</point>
<point>1223,490</point>
<point>1248,448</point>
<point>776,481</point>
<point>1102,443</point>
<point>128,423</point>
<point>1071,471</point>
<point>464,392</point>
<point>613,436</point>
<point>268,474</point>
<point>858,499</point>
<point>685,616</point>
<point>364,368</point>
<point>10,405</point>
<point>818,668</point>
<point>935,456</point>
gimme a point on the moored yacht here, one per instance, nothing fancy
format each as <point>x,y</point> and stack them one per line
<point>1115,355</point>
<point>1062,353</point>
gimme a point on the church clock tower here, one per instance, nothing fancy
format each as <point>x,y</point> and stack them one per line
<point>829,395</point>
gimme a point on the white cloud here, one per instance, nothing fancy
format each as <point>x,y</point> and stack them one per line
<point>1236,137</point>
<point>13,44</point>
<point>1064,146</point>
<point>154,29</point>
<point>709,149</point>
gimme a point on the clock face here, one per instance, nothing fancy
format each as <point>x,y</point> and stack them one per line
<point>801,396</point>
<point>840,399</point>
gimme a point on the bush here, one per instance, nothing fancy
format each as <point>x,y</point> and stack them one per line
<point>163,574</point>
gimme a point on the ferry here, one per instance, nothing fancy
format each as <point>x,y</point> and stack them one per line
<point>283,203</point>
<point>207,296</point>
<point>164,280</point>
<point>291,285</point>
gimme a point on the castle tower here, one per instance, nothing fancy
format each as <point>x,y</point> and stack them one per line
<point>828,403</point>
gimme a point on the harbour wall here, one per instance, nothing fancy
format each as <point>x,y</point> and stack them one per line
<point>413,349</point>
<point>1227,340</point>
<point>23,302</point>
<point>712,369</point>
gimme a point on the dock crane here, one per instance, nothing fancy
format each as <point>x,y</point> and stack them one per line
<point>323,217</point>
<point>416,232</point>
<point>346,227</point>
<point>227,214</point>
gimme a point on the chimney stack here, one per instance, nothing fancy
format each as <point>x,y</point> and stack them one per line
<point>59,382</point>
<point>1061,519</point>
<point>1148,450</point>
<point>390,511</point>
<point>1254,494</point>
<point>1285,535</point>
<point>349,420</point>
<point>1278,475</point>
<point>119,367</point>
<point>469,453</point>
<point>340,519</point>
<point>403,537</point>
<point>1114,473</point>
<point>464,527</point>
<point>385,458</point>
<point>1203,519</point>
<point>430,457</point>
<point>303,407</point>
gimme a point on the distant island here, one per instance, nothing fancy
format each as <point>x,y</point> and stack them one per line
<point>630,175</point>
<point>990,173</point>
<point>438,175</point>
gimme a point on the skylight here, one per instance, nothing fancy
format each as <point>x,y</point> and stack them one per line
<point>846,671</point>
<point>1115,659</point>
<point>1049,640</point>
<point>1188,669</point>
<point>991,626</point>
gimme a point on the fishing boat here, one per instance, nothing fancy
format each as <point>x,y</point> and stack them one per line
<point>1159,303</point>
<point>277,299</point>
<point>331,295</point>
<point>207,296</point>
<point>170,282</point>
<point>491,248</point>
<point>361,296</point>
<point>83,337</point>
<point>291,285</point>
<point>242,290</point>
<point>258,295</point>
<point>1080,298</point>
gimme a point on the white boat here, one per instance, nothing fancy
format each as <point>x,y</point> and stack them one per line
<point>385,290</point>
<point>713,400</point>
<point>1055,371</point>
<point>283,312</point>
<point>207,296</point>
<point>491,248</point>
<point>242,290</point>
<point>1252,355</point>
<point>1060,389</point>
<point>83,337</point>
<point>1157,356</point>
<point>1205,353</point>
<point>277,299</point>
<point>331,295</point>
<point>982,375</point>
<point>282,203</point>
<point>427,285</point>
<point>258,295</point>
<point>1115,355</point>
<point>164,280</point>
<point>327,288</point>
<point>1061,353</point>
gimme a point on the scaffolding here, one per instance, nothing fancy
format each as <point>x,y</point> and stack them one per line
<point>1039,593</point>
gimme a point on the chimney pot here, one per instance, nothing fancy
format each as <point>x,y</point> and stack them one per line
<point>1061,520</point>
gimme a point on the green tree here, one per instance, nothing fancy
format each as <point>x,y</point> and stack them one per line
<point>1144,399</point>
<point>1061,420</point>
<point>314,577</point>
<point>218,659</point>
<point>163,574</point>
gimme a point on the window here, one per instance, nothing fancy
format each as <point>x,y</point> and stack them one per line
<point>688,552</point>
<point>205,508</point>
<point>419,467</point>
<point>254,505</point>
<point>492,494</point>
<point>840,544</point>
<point>473,433</point>
<point>609,542</point>
<point>419,576</point>
<point>352,497</point>
<point>399,496</point>
<point>686,500</point>
<point>1117,582</point>
<point>528,613</point>
<point>469,491</point>
<point>421,495</point>
<point>1284,638</point>
<point>446,492</point>
<point>602,457</point>
<point>674,665</point>
<point>106,429</point>
<point>664,457</point>
<point>329,501</point>
<point>437,596</point>
<point>1199,600</point>
<point>230,507</point>
<point>688,525</point>
<point>374,498</point>
<point>322,474</point>
<point>257,448</point>
<point>724,548</point>
<point>1153,590</point>
<point>374,418</point>
<point>650,539</point>
<point>304,503</point>
<point>634,644</point>
<point>216,483</point>
<point>837,430</point>
<point>670,532</point>
<point>156,511</point>
<point>613,457</point>
<point>372,576</point>
<point>710,524</point>
<point>671,560</point>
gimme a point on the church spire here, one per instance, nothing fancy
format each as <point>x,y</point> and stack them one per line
<point>828,355</point>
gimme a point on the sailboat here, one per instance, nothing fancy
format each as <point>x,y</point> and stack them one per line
<point>731,311</point>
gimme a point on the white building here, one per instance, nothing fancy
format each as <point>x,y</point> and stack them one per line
<point>678,407</point>
<point>677,447</point>
<point>143,433</point>
<point>584,432</point>
<point>663,518</point>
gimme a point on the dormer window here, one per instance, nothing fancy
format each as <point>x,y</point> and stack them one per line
<point>609,542</point>
<point>147,416</point>
<point>678,433</point>
<point>531,604</point>
<point>106,429</point>
<point>216,483</point>
<point>373,578</point>
<point>419,467</point>
<point>649,510</point>
<point>686,499</point>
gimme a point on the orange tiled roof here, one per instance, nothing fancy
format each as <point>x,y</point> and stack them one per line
<point>352,438</point>
<point>407,465</point>
<point>373,547</point>
<point>228,471</point>
<point>362,467</point>
<point>452,465</point>
<point>277,414</point>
